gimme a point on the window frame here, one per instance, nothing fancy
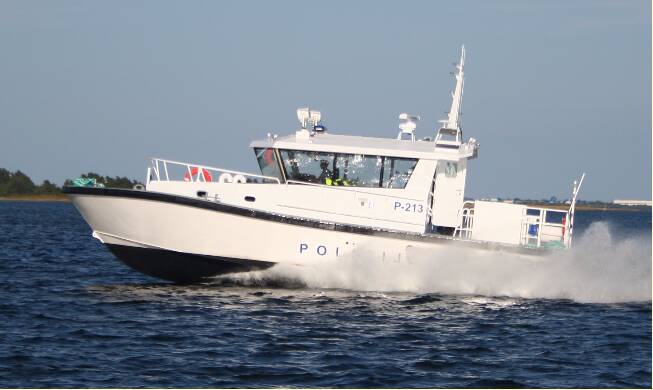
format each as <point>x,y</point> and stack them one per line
<point>277,160</point>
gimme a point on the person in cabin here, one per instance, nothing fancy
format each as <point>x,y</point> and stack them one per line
<point>325,176</point>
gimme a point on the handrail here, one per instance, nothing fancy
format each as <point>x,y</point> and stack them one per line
<point>156,161</point>
<point>539,220</point>
<point>466,218</point>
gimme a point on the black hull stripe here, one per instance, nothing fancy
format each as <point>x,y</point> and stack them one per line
<point>182,267</point>
<point>267,216</point>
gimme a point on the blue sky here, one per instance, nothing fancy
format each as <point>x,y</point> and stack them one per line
<point>553,88</point>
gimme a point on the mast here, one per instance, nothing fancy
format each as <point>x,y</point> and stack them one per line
<point>450,135</point>
<point>453,121</point>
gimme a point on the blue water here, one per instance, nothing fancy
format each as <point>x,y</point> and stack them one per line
<point>73,316</point>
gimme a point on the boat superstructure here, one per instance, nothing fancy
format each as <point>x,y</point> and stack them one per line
<point>318,196</point>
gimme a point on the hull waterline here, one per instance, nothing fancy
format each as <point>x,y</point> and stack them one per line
<point>181,267</point>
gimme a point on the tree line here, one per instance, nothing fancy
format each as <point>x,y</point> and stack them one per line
<point>18,183</point>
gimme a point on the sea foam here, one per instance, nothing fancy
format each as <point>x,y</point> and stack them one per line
<point>598,269</point>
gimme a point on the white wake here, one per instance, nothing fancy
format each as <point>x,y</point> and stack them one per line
<point>597,269</point>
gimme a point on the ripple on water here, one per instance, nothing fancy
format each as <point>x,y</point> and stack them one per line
<point>76,317</point>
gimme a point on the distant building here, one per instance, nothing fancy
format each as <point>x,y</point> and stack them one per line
<point>625,202</point>
<point>490,199</point>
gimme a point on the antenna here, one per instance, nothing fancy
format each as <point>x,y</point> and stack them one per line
<point>572,208</point>
<point>450,135</point>
<point>453,122</point>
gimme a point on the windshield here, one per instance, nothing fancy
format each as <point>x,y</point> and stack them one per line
<point>352,170</point>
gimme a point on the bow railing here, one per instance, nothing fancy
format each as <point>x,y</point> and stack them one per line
<point>169,170</point>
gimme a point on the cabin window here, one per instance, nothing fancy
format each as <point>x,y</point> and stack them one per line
<point>451,169</point>
<point>397,171</point>
<point>267,161</point>
<point>312,167</point>
<point>357,170</point>
<point>349,170</point>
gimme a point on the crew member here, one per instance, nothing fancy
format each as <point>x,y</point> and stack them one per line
<point>325,176</point>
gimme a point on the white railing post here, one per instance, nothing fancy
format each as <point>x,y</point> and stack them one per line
<point>567,236</point>
<point>190,173</point>
<point>158,176</point>
<point>154,169</point>
<point>539,228</point>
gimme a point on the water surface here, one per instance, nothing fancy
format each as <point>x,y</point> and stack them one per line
<point>73,316</point>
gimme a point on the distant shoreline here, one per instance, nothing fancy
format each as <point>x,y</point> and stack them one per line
<point>35,198</point>
<point>584,207</point>
<point>579,207</point>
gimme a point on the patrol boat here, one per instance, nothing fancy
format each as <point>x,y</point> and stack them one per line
<point>319,196</point>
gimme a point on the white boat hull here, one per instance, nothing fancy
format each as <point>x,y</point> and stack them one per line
<point>185,240</point>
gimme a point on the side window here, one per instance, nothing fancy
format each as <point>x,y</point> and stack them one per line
<point>397,171</point>
<point>451,169</point>
<point>312,167</point>
<point>267,161</point>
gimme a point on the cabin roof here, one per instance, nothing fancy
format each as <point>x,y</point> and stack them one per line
<point>336,143</point>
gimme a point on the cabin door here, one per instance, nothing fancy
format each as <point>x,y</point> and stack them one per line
<point>431,204</point>
<point>449,191</point>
